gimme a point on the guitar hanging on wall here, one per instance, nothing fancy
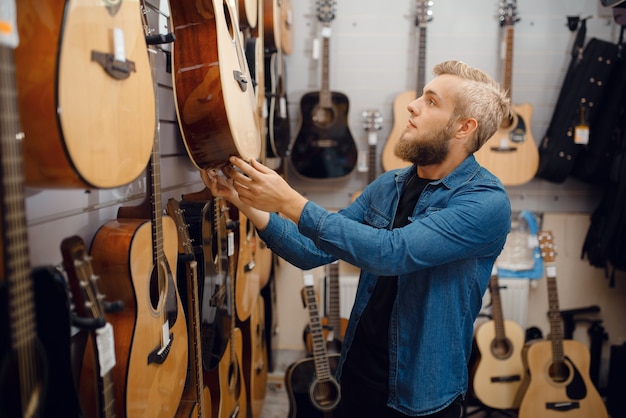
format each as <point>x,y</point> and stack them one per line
<point>324,147</point>
<point>423,15</point>
<point>558,384</point>
<point>372,123</point>
<point>511,153</point>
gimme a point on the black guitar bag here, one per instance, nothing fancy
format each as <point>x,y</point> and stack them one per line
<point>584,87</point>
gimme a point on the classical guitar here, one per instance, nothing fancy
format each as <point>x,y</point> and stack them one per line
<point>213,92</point>
<point>324,147</point>
<point>226,380</point>
<point>85,93</point>
<point>423,15</point>
<point>333,325</point>
<point>196,398</point>
<point>136,255</point>
<point>311,386</point>
<point>511,153</point>
<point>35,367</point>
<point>558,370</point>
<point>499,371</point>
<point>372,123</point>
<point>99,398</point>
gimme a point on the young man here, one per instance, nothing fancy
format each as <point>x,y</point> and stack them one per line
<point>425,238</point>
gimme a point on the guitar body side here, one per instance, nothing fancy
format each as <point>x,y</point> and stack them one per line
<point>122,251</point>
<point>498,395</point>
<point>324,150</point>
<point>83,127</point>
<point>517,162</point>
<point>400,120</point>
<point>299,377</point>
<point>542,389</point>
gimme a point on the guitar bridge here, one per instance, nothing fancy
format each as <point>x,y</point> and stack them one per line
<point>159,354</point>
<point>562,406</point>
<point>506,379</point>
<point>120,70</point>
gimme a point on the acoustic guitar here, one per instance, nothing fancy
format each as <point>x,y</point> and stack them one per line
<point>226,380</point>
<point>213,89</point>
<point>85,93</point>
<point>196,398</point>
<point>311,386</point>
<point>136,255</point>
<point>333,325</point>
<point>324,147</point>
<point>498,374</point>
<point>99,398</point>
<point>254,357</point>
<point>423,15</point>
<point>558,383</point>
<point>511,153</point>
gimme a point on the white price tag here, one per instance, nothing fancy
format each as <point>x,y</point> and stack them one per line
<point>106,348</point>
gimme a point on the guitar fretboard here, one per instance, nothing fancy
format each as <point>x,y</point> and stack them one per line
<point>320,358</point>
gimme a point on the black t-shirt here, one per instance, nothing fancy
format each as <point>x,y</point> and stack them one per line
<point>368,358</point>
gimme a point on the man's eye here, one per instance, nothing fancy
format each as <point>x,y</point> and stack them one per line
<point>431,102</point>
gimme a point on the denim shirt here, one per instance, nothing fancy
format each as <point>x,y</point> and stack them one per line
<point>443,260</point>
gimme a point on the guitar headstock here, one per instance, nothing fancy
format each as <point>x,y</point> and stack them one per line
<point>507,10</point>
<point>372,120</point>
<point>326,10</point>
<point>88,301</point>
<point>546,244</point>
<point>174,210</point>
<point>423,14</point>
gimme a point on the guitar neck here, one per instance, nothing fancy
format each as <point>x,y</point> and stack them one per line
<point>325,93</point>
<point>554,314</point>
<point>320,358</point>
<point>421,63</point>
<point>496,308</point>
<point>334,314</point>
<point>507,76</point>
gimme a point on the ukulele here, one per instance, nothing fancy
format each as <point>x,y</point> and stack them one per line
<point>372,123</point>
<point>35,365</point>
<point>498,374</point>
<point>311,386</point>
<point>136,255</point>
<point>423,15</point>
<point>85,93</point>
<point>324,147</point>
<point>89,304</point>
<point>558,382</point>
<point>196,399</point>
<point>333,325</point>
<point>226,380</point>
<point>213,89</point>
<point>511,153</point>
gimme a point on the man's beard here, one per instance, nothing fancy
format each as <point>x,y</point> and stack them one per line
<point>425,151</point>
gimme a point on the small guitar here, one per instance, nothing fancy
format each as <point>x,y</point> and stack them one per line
<point>311,386</point>
<point>511,153</point>
<point>213,91</point>
<point>559,384</point>
<point>423,15</point>
<point>372,123</point>
<point>136,255</point>
<point>196,399</point>
<point>324,147</point>
<point>35,368</point>
<point>498,374</point>
<point>89,304</point>
<point>85,93</point>
<point>333,325</point>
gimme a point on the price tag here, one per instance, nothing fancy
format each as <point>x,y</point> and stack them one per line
<point>106,348</point>
<point>581,134</point>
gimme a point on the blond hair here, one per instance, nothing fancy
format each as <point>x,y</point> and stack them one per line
<point>481,98</point>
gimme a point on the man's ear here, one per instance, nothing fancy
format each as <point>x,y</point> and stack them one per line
<point>467,127</point>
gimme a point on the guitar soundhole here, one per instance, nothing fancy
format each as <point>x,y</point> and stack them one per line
<point>502,349</point>
<point>559,372</point>
<point>323,116</point>
<point>229,22</point>
<point>156,286</point>
<point>325,395</point>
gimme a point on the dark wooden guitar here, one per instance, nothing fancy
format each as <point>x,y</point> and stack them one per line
<point>333,325</point>
<point>324,147</point>
<point>98,400</point>
<point>136,255</point>
<point>196,398</point>
<point>311,386</point>
<point>35,367</point>
<point>423,15</point>
<point>558,382</point>
<point>498,374</point>
<point>511,153</point>
<point>213,89</point>
<point>85,93</point>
